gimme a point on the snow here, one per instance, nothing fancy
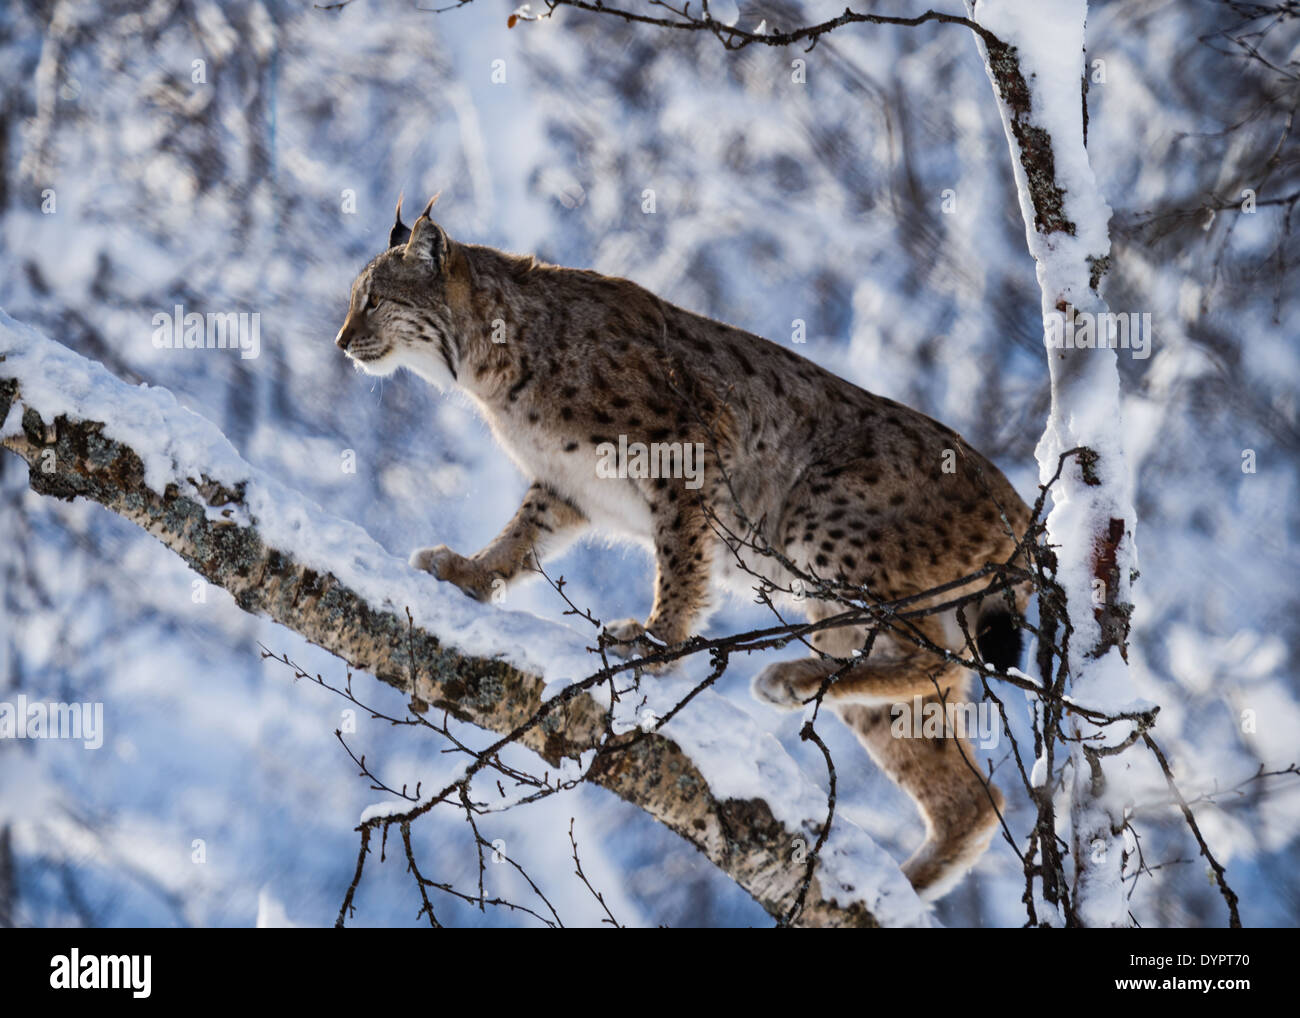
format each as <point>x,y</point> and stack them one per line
<point>1038,775</point>
<point>736,759</point>
<point>1048,37</point>
<point>1049,40</point>
<point>385,809</point>
<point>176,445</point>
<point>271,914</point>
<point>833,216</point>
<point>744,762</point>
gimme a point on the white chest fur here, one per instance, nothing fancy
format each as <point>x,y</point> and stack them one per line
<point>613,505</point>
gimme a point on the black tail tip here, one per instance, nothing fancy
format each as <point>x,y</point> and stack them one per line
<point>1000,640</point>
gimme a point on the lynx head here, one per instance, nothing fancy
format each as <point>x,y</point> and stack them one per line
<point>398,314</point>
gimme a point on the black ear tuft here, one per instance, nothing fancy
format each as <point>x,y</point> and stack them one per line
<point>399,234</point>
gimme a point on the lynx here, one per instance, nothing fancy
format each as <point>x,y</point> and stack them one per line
<point>799,478</point>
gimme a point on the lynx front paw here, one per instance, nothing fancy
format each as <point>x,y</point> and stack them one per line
<point>447,565</point>
<point>789,684</point>
<point>632,639</point>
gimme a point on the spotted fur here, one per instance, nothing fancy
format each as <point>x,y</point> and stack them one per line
<point>849,487</point>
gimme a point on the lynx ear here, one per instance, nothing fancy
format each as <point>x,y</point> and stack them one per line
<point>399,234</point>
<point>428,243</point>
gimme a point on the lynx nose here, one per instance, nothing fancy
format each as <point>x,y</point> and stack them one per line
<point>345,337</point>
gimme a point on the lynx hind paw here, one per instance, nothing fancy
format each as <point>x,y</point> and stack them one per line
<point>789,684</point>
<point>626,633</point>
<point>935,869</point>
<point>632,639</point>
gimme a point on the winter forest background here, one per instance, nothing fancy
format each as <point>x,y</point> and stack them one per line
<point>774,201</point>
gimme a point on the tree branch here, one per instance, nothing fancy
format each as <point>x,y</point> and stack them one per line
<point>80,431</point>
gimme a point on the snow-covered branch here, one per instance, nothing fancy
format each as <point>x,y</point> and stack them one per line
<point>707,774</point>
<point>1037,71</point>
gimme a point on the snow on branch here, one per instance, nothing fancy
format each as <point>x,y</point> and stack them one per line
<point>1037,75</point>
<point>707,773</point>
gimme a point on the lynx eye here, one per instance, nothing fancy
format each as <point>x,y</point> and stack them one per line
<point>372,303</point>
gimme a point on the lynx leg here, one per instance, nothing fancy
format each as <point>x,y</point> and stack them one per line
<point>894,671</point>
<point>683,559</point>
<point>791,684</point>
<point>936,772</point>
<point>959,808</point>
<point>542,526</point>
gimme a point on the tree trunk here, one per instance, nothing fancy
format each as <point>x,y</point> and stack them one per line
<point>1040,79</point>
